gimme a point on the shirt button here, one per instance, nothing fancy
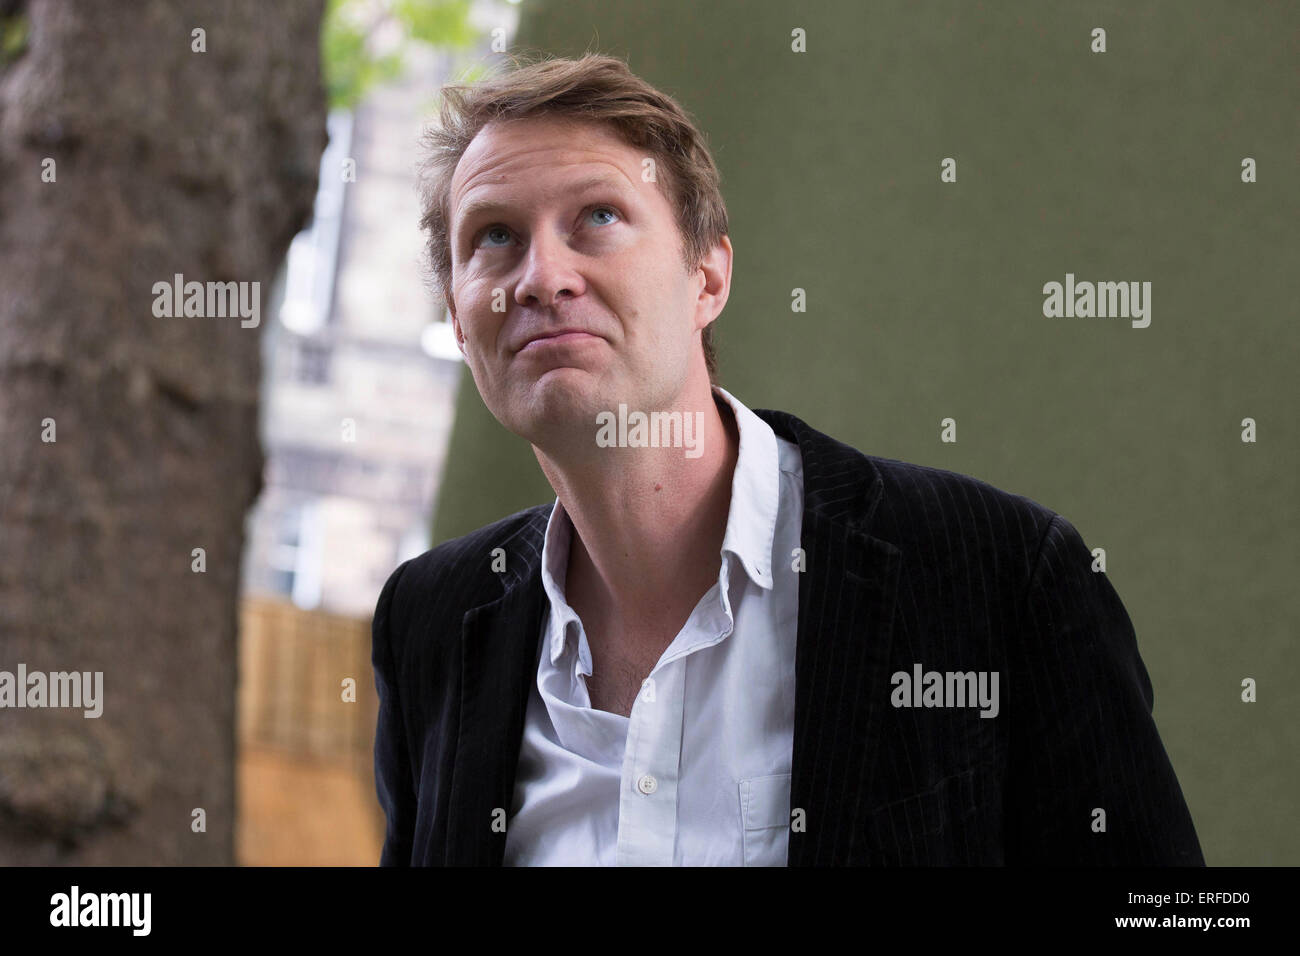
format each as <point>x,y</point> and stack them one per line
<point>647,784</point>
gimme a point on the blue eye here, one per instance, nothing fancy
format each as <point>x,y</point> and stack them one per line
<point>502,229</point>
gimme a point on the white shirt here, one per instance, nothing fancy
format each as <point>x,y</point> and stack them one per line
<point>699,773</point>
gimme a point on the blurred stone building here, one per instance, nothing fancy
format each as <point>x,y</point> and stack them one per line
<point>359,388</point>
<point>360,376</point>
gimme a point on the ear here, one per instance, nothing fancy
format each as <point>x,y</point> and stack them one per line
<point>716,268</point>
<point>460,335</point>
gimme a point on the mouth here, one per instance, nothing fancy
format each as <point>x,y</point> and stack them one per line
<point>559,340</point>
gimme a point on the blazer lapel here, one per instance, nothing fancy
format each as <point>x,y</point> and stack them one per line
<point>500,643</point>
<point>842,655</point>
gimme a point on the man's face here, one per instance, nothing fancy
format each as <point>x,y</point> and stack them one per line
<point>552,223</point>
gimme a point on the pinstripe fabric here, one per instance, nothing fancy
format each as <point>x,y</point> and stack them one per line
<point>906,566</point>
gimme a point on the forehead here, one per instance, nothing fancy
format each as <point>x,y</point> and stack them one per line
<point>521,152</point>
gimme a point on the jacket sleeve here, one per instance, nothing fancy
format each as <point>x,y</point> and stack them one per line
<point>392,761</point>
<point>1082,738</point>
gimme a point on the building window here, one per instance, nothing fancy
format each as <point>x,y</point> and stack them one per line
<point>311,363</point>
<point>295,556</point>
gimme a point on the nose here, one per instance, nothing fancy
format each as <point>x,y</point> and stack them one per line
<point>549,272</point>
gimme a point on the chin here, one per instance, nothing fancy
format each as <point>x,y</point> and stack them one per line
<point>565,393</point>
<point>560,403</point>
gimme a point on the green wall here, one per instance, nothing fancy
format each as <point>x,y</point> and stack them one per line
<point>925,301</point>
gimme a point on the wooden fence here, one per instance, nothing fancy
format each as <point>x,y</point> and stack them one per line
<point>306,724</point>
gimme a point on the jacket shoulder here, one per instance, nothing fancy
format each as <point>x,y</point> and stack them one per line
<point>461,573</point>
<point>919,504</point>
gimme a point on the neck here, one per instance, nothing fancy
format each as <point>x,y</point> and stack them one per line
<point>648,522</point>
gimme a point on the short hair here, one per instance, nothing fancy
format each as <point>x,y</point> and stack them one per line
<point>594,88</point>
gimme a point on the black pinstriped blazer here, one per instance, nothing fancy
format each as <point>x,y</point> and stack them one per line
<point>906,565</point>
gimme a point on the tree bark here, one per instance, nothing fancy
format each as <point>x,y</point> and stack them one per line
<point>167,161</point>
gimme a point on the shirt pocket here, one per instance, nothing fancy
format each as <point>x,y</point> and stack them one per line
<point>765,819</point>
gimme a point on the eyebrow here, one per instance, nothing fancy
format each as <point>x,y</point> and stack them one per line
<point>484,206</point>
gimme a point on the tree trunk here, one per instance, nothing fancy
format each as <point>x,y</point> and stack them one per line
<point>166,161</point>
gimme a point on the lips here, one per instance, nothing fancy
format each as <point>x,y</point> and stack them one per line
<point>557,337</point>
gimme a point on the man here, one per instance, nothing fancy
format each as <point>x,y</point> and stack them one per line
<point>731,640</point>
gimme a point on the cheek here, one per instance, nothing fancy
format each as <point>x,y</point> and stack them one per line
<point>472,288</point>
<point>656,310</point>
<point>479,323</point>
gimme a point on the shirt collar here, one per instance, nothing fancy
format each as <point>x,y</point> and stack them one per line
<point>755,493</point>
<point>555,568</point>
<point>751,520</point>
